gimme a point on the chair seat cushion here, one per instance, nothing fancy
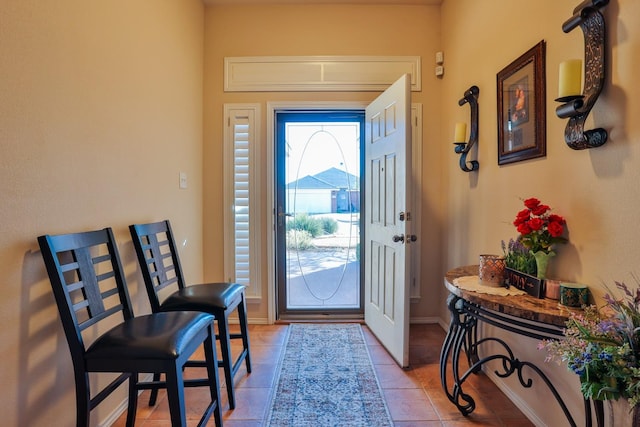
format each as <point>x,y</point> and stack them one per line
<point>154,336</point>
<point>207,297</point>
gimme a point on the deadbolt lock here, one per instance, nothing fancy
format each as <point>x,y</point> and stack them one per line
<point>402,216</point>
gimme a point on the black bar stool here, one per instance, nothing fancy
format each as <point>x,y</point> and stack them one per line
<point>160,265</point>
<point>91,294</point>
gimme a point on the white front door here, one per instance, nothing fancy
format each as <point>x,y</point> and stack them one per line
<point>387,218</point>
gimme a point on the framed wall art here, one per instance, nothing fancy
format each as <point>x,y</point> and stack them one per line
<point>522,107</point>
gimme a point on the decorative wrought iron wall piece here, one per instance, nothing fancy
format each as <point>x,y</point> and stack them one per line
<point>462,148</point>
<point>586,15</point>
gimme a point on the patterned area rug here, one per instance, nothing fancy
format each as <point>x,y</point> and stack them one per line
<point>326,378</point>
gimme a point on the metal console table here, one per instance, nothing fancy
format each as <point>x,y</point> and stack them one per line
<point>524,315</point>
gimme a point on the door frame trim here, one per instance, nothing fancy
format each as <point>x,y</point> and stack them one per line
<point>272,107</point>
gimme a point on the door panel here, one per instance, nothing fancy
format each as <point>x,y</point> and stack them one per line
<point>387,171</point>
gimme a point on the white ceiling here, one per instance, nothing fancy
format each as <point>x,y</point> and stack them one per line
<point>392,2</point>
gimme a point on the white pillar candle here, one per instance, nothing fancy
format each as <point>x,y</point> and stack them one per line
<point>460,134</point>
<point>570,80</point>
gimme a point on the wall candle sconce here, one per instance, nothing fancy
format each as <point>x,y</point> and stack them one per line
<point>576,107</point>
<point>462,148</point>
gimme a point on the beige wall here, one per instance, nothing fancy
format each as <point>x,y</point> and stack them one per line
<point>319,30</point>
<point>596,190</point>
<point>91,90</point>
<point>101,107</point>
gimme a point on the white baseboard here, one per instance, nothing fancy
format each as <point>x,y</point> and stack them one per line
<point>115,414</point>
<point>413,320</point>
<point>122,407</point>
<point>424,320</point>
<point>517,400</point>
<point>257,321</point>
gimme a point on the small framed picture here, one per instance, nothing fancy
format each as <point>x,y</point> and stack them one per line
<point>522,107</point>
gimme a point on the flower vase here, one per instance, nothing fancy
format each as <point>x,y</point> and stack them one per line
<point>542,261</point>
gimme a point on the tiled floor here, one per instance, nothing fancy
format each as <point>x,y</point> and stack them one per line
<point>414,396</point>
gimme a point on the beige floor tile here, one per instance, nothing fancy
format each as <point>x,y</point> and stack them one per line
<point>414,396</point>
<point>409,405</point>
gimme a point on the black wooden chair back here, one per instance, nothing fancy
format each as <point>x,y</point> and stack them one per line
<point>163,273</point>
<point>87,282</point>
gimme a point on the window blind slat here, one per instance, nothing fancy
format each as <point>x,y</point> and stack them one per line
<point>241,246</point>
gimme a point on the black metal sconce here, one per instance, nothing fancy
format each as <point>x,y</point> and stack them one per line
<point>462,148</point>
<point>576,108</point>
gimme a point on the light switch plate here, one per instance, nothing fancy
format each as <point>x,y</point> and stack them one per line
<point>183,180</point>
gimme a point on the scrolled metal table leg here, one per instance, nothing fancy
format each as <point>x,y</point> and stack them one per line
<point>457,337</point>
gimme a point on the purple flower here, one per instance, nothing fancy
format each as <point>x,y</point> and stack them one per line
<point>623,287</point>
<point>605,356</point>
<point>603,346</point>
<point>609,299</point>
<point>577,368</point>
<point>608,326</point>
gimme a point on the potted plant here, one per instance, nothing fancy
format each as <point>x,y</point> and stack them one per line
<point>602,347</point>
<point>520,268</point>
<point>527,257</point>
<point>518,257</point>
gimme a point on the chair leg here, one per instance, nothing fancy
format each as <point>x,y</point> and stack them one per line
<point>175,396</point>
<point>212,373</point>
<point>133,399</point>
<point>227,361</point>
<point>244,331</point>
<point>83,399</point>
<point>153,396</point>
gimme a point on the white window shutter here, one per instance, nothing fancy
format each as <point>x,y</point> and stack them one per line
<point>241,201</point>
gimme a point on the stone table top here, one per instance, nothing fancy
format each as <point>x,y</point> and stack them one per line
<point>523,306</point>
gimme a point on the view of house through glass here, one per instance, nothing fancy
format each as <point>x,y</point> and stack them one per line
<point>319,211</point>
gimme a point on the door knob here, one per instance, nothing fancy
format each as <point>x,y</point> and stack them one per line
<point>398,238</point>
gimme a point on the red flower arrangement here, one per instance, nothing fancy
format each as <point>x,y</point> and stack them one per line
<point>539,229</point>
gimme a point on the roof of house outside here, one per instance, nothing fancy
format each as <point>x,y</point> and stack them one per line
<point>330,179</point>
